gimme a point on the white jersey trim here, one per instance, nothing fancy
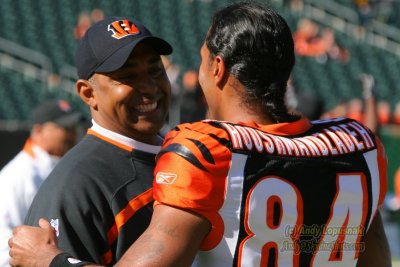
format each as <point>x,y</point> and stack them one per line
<point>125,140</point>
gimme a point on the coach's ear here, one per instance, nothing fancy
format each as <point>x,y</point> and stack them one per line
<point>85,90</point>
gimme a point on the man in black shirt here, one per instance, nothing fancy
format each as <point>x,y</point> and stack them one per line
<point>99,198</point>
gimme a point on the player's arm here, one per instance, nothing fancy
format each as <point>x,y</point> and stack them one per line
<point>377,252</point>
<point>172,239</point>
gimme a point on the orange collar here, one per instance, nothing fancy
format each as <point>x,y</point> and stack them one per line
<point>285,128</point>
<point>109,140</point>
<point>28,148</point>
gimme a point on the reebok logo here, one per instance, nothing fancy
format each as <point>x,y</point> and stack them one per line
<point>165,178</point>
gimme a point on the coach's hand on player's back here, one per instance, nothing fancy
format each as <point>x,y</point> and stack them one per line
<point>33,246</point>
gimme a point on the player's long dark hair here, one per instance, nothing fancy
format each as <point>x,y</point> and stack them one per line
<point>257,47</point>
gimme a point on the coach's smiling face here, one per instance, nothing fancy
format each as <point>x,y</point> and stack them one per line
<point>132,101</point>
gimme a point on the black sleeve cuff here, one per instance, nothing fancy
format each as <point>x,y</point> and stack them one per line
<point>66,260</point>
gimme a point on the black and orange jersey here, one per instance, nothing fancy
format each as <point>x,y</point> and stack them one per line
<point>99,197</point>
<point>289,194</point>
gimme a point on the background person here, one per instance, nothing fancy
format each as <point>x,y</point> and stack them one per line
<point>193,105</point>
<point>53,133</point>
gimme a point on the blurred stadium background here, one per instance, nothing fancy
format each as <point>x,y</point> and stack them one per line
<point>37,55</point>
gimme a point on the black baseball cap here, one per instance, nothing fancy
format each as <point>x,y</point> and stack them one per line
<point>106,45</point>
<point>58,111</point>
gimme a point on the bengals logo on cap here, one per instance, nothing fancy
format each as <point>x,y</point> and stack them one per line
<point>64,105</point>
<point>123,28</point>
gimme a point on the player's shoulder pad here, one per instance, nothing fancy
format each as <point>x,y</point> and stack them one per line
<point>197,142</point>
<point>198,130</point>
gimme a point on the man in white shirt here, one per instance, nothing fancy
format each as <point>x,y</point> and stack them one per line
<point>53,133</point>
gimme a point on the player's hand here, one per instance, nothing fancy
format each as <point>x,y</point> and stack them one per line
<point>33,246</point>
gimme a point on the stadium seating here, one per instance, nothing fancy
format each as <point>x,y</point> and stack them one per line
<point>47,26</point>
<point>385,11</point>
